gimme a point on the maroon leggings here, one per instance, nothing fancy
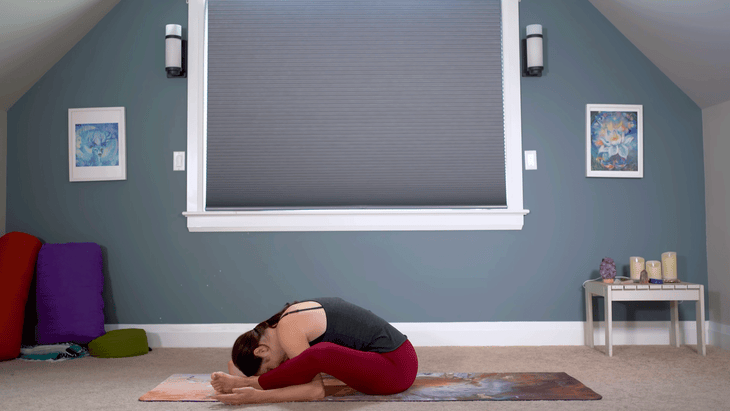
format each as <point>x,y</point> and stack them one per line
<point>367,372</point>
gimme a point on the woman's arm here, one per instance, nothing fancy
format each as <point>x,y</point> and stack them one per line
<point>226,383</point>
<point>304,392</point>
<point>293,341</point>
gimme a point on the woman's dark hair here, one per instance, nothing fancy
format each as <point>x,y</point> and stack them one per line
<point>242,352</point>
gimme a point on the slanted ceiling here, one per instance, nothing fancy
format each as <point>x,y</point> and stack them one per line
<point>36,34</point>
<point>686,39</point>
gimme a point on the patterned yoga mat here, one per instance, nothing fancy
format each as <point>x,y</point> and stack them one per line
<point>517,386</point>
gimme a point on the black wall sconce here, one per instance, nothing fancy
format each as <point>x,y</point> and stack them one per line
<point>532,64</point>
<point>175,52</point>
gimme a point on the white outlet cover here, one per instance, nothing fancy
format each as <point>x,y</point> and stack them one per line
<point>178,161</point>
<point>530,160</point>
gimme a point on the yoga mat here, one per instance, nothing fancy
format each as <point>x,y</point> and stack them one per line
<point>518,386</point>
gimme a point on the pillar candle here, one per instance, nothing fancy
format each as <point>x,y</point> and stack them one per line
<point>669,265</point>
<point>654,269</point>
<point>637,266</point>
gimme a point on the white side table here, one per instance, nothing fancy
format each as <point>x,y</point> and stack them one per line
<point>646,292</point>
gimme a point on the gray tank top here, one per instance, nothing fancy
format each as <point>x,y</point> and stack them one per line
<point>355,327</point>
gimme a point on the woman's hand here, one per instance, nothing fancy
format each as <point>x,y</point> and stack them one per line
<point>225,383</point>
<point>305,392</point>
<point>246,395</point>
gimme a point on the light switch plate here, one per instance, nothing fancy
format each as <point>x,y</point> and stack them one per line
<point>178,161</point>
<point>530,160</point>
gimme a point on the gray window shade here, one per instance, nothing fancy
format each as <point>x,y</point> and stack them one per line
<point>317,104</point>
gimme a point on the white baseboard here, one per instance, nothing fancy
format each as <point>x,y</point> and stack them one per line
<point>719,335</point>
<point>518,333</point>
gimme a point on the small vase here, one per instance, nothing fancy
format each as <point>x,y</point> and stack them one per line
<point>608,280</point>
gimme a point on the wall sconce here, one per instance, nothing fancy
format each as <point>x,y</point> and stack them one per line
<point>532,65</point>
<point>175,52</point>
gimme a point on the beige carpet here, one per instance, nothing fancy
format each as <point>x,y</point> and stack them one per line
<point>636,378</point>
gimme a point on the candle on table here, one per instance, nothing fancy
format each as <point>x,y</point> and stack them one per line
<point>654,269</point>
<point>637,266</point>
<point>669,265</point>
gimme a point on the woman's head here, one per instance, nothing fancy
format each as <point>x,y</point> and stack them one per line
<point>242,352</point>
<point>259,345</point>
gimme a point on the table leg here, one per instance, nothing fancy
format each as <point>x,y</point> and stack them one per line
<point>674,332</point>
<point>607,301</point>
<point>589,319</point>
<point>700,309</point>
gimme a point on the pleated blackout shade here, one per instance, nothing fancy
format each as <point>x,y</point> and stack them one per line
<point>322,104</point>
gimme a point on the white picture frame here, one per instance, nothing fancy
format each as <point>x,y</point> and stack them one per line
<point>97,144</point>
<point>615,140</point>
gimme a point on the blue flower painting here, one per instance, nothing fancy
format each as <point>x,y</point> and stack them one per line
<point>614,139</point>
<point>97,145</point>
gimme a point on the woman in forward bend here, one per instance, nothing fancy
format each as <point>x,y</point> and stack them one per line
<point>281,359</point>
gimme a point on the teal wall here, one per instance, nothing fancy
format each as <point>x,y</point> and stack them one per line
<point>158,272</point>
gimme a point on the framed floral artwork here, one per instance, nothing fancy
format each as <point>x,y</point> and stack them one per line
<point>96,144</point>
<point>614,140</point>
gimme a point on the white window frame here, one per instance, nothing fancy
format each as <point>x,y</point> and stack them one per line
<point>199,220</point>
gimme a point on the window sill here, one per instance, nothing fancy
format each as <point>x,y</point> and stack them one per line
<point>356,220</point>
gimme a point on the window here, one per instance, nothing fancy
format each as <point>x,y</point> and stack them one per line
<point>418,216</point>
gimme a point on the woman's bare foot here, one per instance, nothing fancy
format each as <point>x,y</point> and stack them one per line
<point>225,383</point>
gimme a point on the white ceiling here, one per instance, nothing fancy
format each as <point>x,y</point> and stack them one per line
<point>689,40</point>
<point>34,35</point>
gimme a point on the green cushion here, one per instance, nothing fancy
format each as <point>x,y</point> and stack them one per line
<point>120,343</point>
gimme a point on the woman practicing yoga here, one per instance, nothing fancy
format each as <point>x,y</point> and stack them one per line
<point>281,358</point>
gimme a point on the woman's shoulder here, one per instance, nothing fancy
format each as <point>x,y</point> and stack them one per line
<point>302,306</point>
<point>307,318</point>
<point>300,309</point>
